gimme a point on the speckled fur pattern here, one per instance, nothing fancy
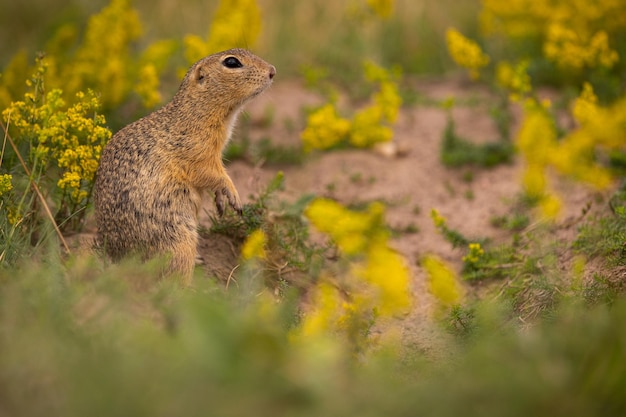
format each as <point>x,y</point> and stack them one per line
<point>152,173</point>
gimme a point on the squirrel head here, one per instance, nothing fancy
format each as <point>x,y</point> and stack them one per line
<point>227,80</point>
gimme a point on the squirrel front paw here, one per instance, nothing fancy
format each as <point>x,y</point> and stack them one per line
<point>225,193</point>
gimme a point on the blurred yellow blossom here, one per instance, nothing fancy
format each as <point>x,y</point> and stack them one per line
<point>572,49</point>
<point>438,219</point>
<point>574,34</point>
<point>585,107</point>
<point>254,246</point>
<point>369,125</point>
<point>148,86</point>
<point>442,281</point>
<point>367,130</point>
<point>237,23</point>
<point>382,8</point>
<point>515,79</point>
<point>376,283</point>
<point>352,231</point>
<point>103,59</point>
<point>599,128</point>
<point>324,129</point>
<point>550,206</point>
<point>329,308</point>
<point>388,100</point>
<point>537,137</point>
<point>466,52</point>
<point>388,274</point>
<point>575,153</point>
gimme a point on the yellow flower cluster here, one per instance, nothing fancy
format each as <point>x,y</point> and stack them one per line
<point>324,129</point>
<point>236,23</point>
<point>474,254</point>
<point>377,281</point>
<point>151,63</point>
<point>148,86</point>
<point>438,220</point>
<point>71,137</point>
<point>512,18</point>
<point>585,107</point>
<point>367,129</point>
<point>600,128</point>
<point>515,79</point>
<point>351,231</point>
<point>569,49</point>
<point>574,33</point>
<point>536,141</point>
<point>370,125</point>
<point>254,246</point>
<point>382,8</point>
<point>328,312</point>
<point>5,183</point>
<point>466,52</point>
<point>442,281</point>
<point>102,60</point>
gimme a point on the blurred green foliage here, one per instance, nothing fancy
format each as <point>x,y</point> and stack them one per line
<point>79,342</point>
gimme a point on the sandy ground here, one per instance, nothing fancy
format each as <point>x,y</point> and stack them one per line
<point>412,184</point>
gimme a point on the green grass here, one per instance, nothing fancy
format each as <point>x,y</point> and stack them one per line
<point>606,235</point>
<point>457,151</point>
<point>81,341</point>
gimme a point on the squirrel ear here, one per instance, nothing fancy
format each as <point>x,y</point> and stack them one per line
<point>200,74</point>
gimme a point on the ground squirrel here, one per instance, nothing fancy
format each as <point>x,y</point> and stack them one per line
<point>152,173</point>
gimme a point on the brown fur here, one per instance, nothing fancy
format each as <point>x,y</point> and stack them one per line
<point>149,184</point>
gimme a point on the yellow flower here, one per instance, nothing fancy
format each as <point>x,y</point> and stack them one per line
<point>536,139</point>
<point>324,129</point>
<point>585,107</point>
<point>369,125</point>
<point>236,23</point>
<point>367,129</point>
<point>102,61</point>
<point>550,206</point>
<point>389,100</point>
<point>466,52</point>
<point>5,183</point>
<point>351,231</point>
<point>515,79</point>
<point>571,48</point>
<point>382,8</point>
<point>326,312</point>
<point>438,219</point>
<point>475,253</point>
<point>534,180</point>
<point>387,272</point>
<point>442,281</point>
<point>148,86</point>
<point>376,283</point>
<point>254,246</point>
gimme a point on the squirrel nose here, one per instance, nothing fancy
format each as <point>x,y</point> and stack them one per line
<point>272,71</point>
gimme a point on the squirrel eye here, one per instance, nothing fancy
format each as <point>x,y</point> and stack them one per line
<point>232,62</point>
